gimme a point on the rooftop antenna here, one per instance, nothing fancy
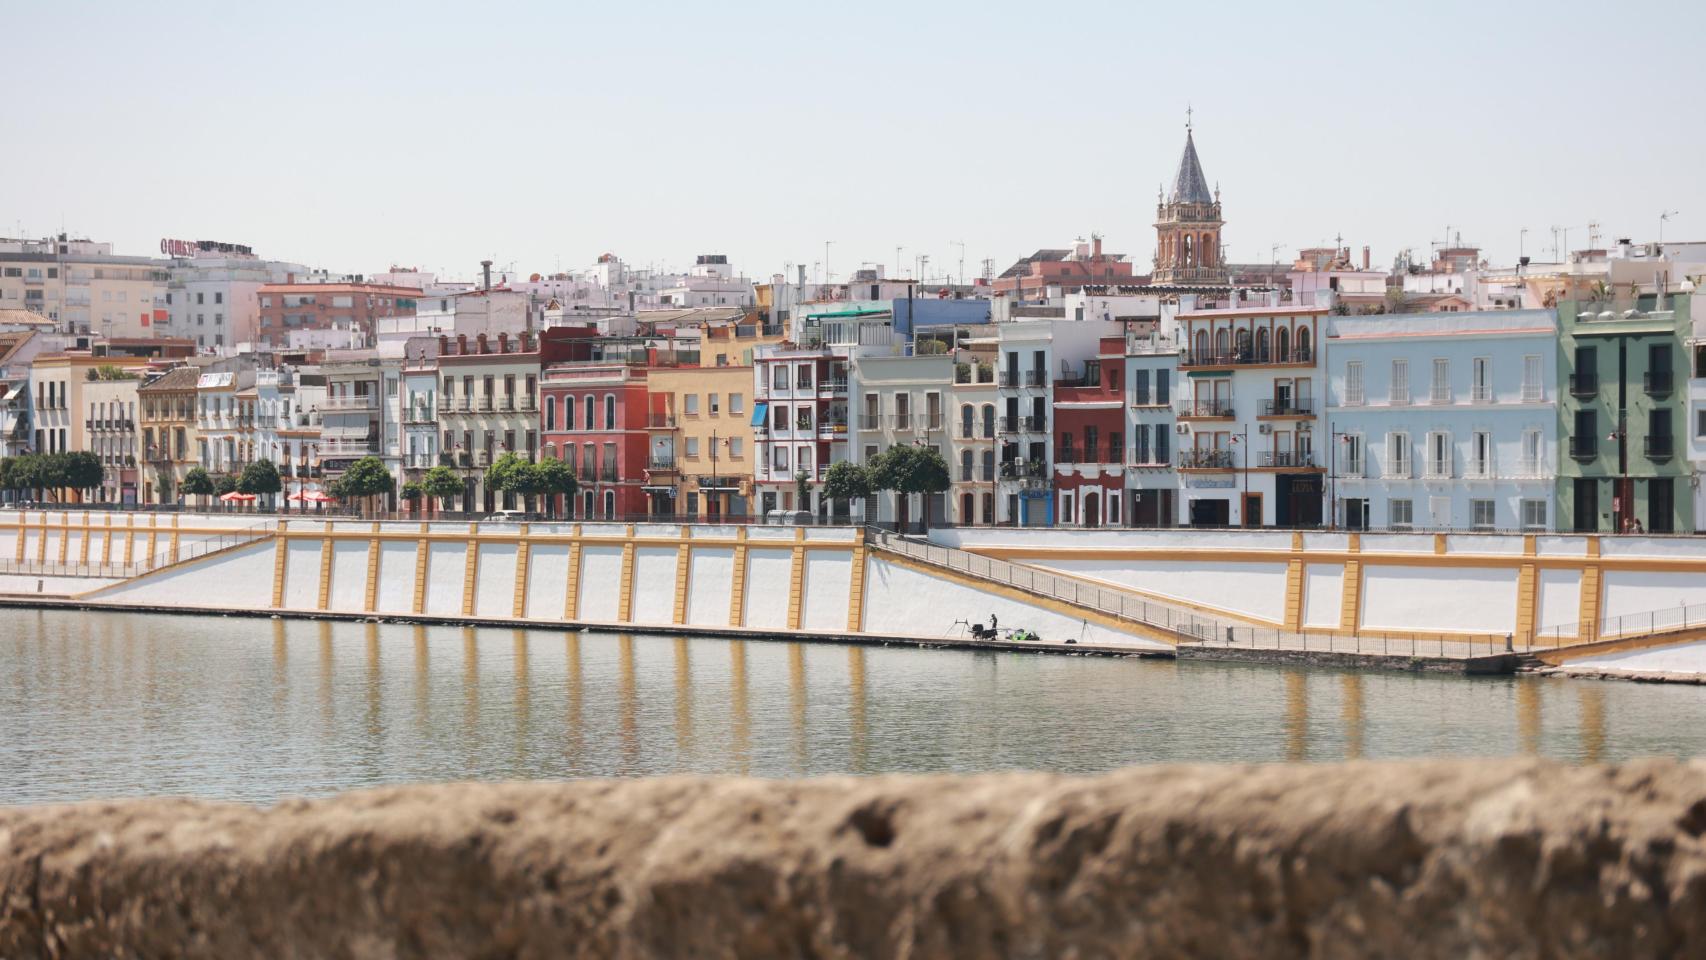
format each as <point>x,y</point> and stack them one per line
<point>1275,251</point>
<point>1593,234</point>
<point>961,276</point>
<point>1662,218</point>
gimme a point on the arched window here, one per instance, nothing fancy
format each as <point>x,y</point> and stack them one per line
<point>968,417</point>
<point>988,466</point>
<point>965,465</point>
<point>1262,345</point>
<point>551,451</point>
<point>591,410</point>
<point>610,411</point>
<point>1302,344</point>
<point>989,421</point>
<point>1202,346</point>
<point>550,416</point>
<point>1206,250</point>
<point>1282,345</point>
<point>1244,344</point>
<point>1190,253</point>
<point>568,412</point>
<point>609,504</point>
<point>1222,344</point>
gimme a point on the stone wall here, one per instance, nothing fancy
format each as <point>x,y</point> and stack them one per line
<point>1494,859</point>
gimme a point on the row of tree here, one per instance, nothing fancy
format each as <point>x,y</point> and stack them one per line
<point>49,473</point>
<point>903,470</point>
<point>510,473</point>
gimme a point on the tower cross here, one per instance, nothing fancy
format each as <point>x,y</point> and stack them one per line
<point>1188,111</point>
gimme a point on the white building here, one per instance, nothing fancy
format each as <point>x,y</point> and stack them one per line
<point>83,286</point>
<point>1034,344</point>
<point>1152,481</point>
<point>212,294</point>
<point>1443,421</point>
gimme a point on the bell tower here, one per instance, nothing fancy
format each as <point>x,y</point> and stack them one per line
<point>1187,225</point>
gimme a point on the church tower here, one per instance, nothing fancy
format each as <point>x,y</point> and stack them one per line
<point>1187,226</point>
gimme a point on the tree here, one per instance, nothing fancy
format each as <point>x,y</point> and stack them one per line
<point>412,493</point>
<point>909,470</point>
<point>109,371</point>
<point>442,483</point>
<point>260,478</point>
<point>197,484</point>
<point>555,477</point>
<point>802,489</point>
<point>846,482</point>
<point>80,470</point>
<point>225,483</point>
<point>509,474</point>
<point>366,478</point>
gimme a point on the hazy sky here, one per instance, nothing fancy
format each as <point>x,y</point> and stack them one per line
<point>354,136</point>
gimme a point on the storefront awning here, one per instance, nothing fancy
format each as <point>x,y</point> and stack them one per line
<point>760,414</point>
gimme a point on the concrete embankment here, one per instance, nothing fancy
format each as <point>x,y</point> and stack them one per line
<point>1436,859</point>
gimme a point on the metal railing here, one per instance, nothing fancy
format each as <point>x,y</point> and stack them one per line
<point>1206,408</point>
<point>1205,459</point>
<point>187,550</point>
<point>1189,627</point>
<point>1645,623</point>
<point>1288,408</point>
<point>1584,384</point>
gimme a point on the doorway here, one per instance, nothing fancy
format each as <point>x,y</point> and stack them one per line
<point>1211,513</point>
<point>1252,510</point>
<point>1356,513</point>
<point>1092,509</point>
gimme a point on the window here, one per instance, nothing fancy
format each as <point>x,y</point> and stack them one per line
<point>736,447</point>
<point>219,298</point>
<point>1531,453</point>
<point>609,411</point>
<point>1481,454</point>
<point>690,404</point>
<point>1481,384</point>
<point>1353,383</point>
<point>1163,383</point>
<point>1481,514</point>
<point>1439,455</point>
<point>550,416</point>
<point>1140,388</point>
<point>692,446</point>
<point>711,405</point>
<point>1442,381</point>
<point>779,377</point>
<point>1700,422</point>
<point>1398,455</point>
<point>1400,514</point>
<point>1534,514</point>
<point>1531,390</point>
<point>737,404</point>
<point>568,413</point>
<point>1400,394</point>
<point>200,299</point>
<point>1353,455</point>
<point>779,458</point>
<point>590,411</point>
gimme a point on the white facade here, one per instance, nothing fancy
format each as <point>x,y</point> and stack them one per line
<point>1029,355</point>
<point>214,301</point>
<point>1152,481</point>
<point>1443,421</point>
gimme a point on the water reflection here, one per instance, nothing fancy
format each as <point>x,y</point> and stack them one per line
<point>1352,687</point>
<point>1296,715</point>
<point>258,710</point>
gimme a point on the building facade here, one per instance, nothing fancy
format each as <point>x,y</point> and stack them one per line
<point>1443,421</point>
<point>302,308</point>
<point>1623,467</point>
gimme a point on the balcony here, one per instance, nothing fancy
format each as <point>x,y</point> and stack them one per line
<point>834,387</point>
<point>1658,446</point>
<point>830,428</point>
<point>1438,470</point>
<point>1110,454</point>
<point>870,421</point>
<point>335,447</point>
<point>1657,383</point>
<point>1584,384</point>
<point>526,403</point>
<point>485,404</point>
<point>1289,458</point>
<point>506,403</point>
<point>1304,407</point>
<point>420,413</point>
<point>661,421</point>
<point>1206,410</point>
<point>607,473</point>
<point>1205,459</point>
<point>1297,357</point>
<point>1036,378</point>
<point>661,464</point>
<point>363,402</point>
<point>1584,449</point>
<point>1009,378</point>
<point>932,422</point>
<point>1029,474</point>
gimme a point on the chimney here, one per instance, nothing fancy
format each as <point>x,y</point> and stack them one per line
<point>1365,256</point>
<point>481,340</point>
<point>503,341</point>
<point>526,342</point>
<point>443,343</point>
<point>462,344</point>
<point>486,273</point>
<point>1096,246</point>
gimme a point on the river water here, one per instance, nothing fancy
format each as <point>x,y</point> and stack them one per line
<point>96,705</point>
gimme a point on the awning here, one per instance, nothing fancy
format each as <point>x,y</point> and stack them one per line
<point>235,497</point>
<point>760,414</point>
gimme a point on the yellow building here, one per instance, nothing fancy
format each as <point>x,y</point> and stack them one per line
<point>169,438</point>
<point>699,449</point>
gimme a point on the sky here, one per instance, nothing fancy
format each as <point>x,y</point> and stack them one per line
<point>357,136</point>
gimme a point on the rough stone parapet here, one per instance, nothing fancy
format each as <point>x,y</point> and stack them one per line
<point>1433,859</point>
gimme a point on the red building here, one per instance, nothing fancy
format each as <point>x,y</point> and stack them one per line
<point>1089,440</point>
<point>328,306</point>
<point>594,417</point>
<point>1085,265</point>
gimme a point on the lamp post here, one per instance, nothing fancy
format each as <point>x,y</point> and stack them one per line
<point>1242,438</point>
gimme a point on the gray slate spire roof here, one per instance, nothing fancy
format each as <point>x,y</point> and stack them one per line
<point>1190,186</point>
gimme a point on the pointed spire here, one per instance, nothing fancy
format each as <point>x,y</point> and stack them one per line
<point>1189,185</point>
